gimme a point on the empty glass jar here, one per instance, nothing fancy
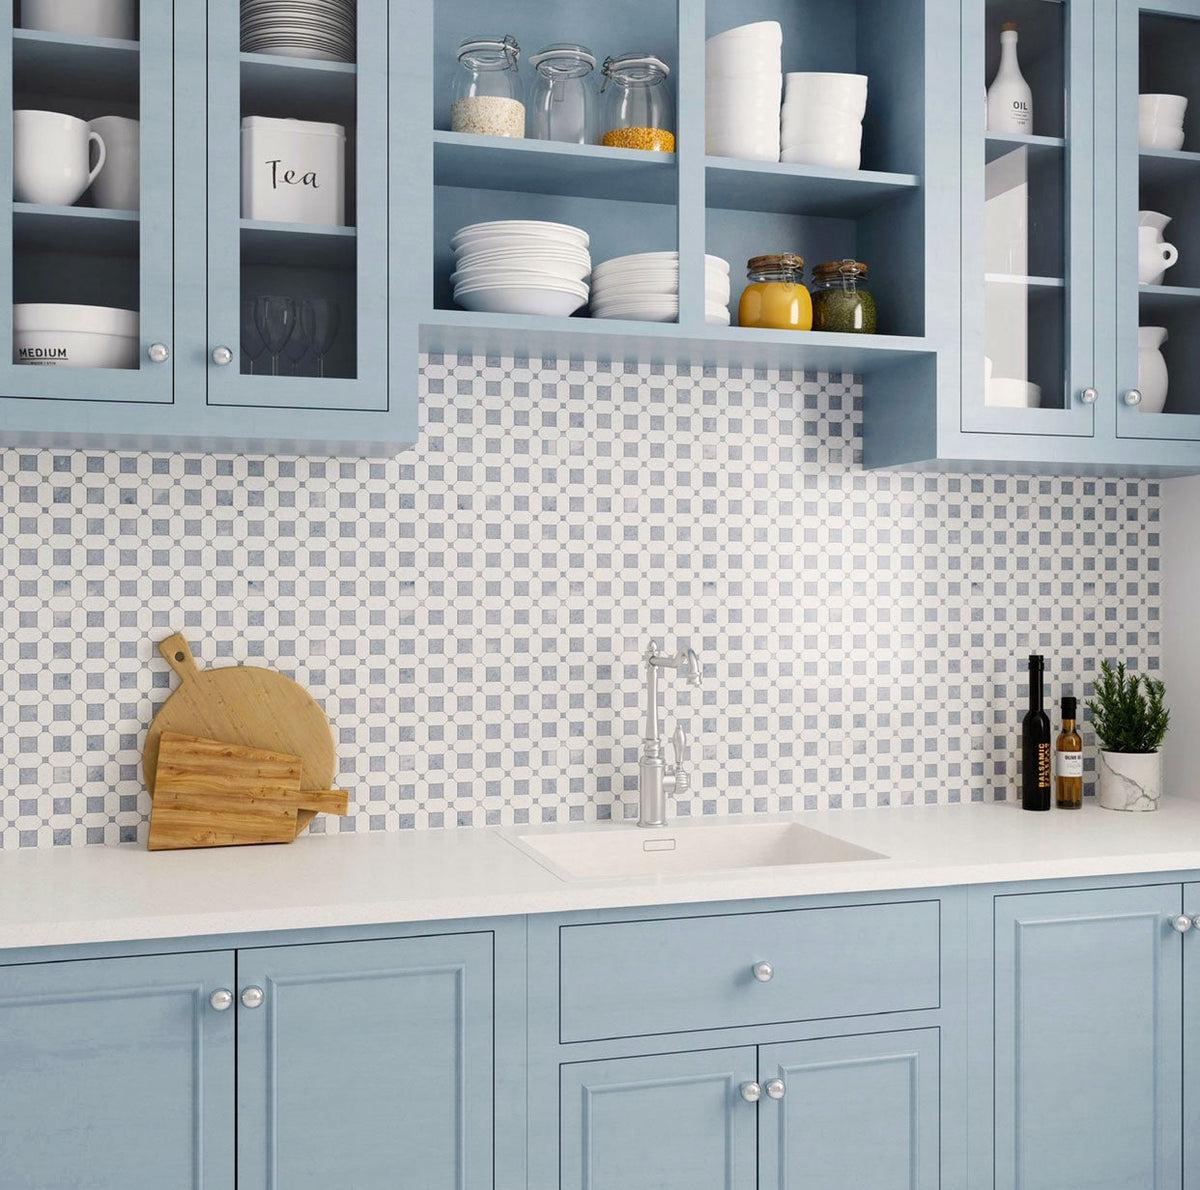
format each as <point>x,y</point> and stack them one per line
<point>562,105</point>
<point>487,98</point>
<point>639,111</point>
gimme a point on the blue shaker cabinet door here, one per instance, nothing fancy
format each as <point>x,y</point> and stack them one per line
<point>1191,1041</point>
<point>844,1113</point>
<point>1088,1046</point>
<point>664,1122</point>
<point>117,1073</point>
<point>367,1065</point>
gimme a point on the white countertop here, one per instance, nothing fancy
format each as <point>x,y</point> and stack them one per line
<point>106,894</point>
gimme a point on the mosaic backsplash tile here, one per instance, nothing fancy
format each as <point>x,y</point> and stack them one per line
<point>471,614</point>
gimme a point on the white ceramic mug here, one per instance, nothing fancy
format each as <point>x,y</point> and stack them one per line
<point>1160,121</point>
<point>1154,256</point>
<point>118,185</point>
<point>81,18</point>
<point>50,157</point>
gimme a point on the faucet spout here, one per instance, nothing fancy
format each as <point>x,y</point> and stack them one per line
<point>656,779</point>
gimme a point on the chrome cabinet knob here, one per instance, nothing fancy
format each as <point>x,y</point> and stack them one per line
<point>159,353</point>
<point>1089,396</point>
<point>751,1092</point>
<point>222,356</point>
<point>775,1089</point>
<point>1196,921</point>
<point>763,972</point>
<point>1181,924</point>
<point>221,999</point>
<point>252,997</point>
<point>1133,398</point>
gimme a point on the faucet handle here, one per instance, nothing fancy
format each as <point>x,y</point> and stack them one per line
<point>681,747</point>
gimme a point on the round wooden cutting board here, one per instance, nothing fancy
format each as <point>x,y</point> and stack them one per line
<point>243,704</point>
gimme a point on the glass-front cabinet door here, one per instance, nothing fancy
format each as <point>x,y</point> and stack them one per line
<point>86,222</point>
<point>298,206</point>
<point>1156,175</point>
<point>1028,271</point>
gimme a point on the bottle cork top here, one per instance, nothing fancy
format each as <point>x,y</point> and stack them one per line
<point>1008,27</point>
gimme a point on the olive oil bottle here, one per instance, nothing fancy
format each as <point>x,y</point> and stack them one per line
<point>1035,742</point>
<point>1068,756</point>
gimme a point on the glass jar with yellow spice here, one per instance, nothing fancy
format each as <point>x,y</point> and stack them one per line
<point>841,301</point>
<point>639,112</point>
<point>776,298</point>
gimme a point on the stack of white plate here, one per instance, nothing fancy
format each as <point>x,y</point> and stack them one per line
<point>521,266</point>
<point>822,119</point>
<point>323,29</point>
<point>743,83</point>
<point>645,288</point>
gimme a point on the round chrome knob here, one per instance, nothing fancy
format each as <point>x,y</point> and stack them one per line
<point>222,356</point>
<point>221,999</point>
<point>763,972</point>
<point>775,1088</point>
<point>159,353</point>
<point>252,997</point>
<point>1089,396</point>
<point>1196,921</point>
<point>751,1092</point>
<point>1181,924</point>
<point>1133,398</point>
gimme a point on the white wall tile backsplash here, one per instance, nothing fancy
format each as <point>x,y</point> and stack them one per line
<point>471,613</point>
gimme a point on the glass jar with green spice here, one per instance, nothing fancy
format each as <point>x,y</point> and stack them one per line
<point>841,300</point>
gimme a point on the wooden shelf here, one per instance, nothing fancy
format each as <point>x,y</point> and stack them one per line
<point>1000,144</point>
<point>551,167</point>
<point>92,67</point>
<point>458,332</point>
<point>801,189</point>
<point>84,230</point>
<point>298,244</point>
<point>1160,165</point>
<point>274,84</point>
<point>1165,299</point>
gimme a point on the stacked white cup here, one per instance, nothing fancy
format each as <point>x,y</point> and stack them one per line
<point>822,119</point>
<point>743,84</point>
<point>1160,121</point>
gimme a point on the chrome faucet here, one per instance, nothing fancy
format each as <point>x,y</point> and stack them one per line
<point>658,780</point>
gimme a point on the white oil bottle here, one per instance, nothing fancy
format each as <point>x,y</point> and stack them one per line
<point>1009,99</point>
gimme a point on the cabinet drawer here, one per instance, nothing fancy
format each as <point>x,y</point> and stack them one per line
<point>625,979</point>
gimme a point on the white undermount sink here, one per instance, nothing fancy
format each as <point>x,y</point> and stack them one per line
<point>611,851</point>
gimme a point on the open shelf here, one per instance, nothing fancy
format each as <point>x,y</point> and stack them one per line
<point>1159,166</point>
<point>550,167</point>
<point>271,82</point>
<point>90,67</point>
<point>88,230</point>
<point>999,144</point>
<point>801,189</point>
<point>1153,299</point>
<point>298,244</point>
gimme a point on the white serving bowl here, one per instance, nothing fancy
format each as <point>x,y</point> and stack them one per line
<point>818,114</point>
<point>512,241</point>
<point>744,62</point>
<point>502,275</point>
<point>743,148</point>
<point>766,32</point>
<point>1004,393</point>
<point>841,90</point>
<point>73,336</point>
<point>716,294</point>
<point>849,137</point>
<point>824,156</point>
<point>546,299</point>
<point>520,230</point>
<point>1160,136</point>
<point>746,94</point>
<point>564,270</point>
<point>655,309</point>
<point>1168,110</point>
<point>642,259</point>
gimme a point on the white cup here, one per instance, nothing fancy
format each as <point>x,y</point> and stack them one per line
<point>1154,256</point>
<point>50,157</point>
<point>846,91</point>
<point>118,185</point>
<point>81,18</point>
<point>1160,121</point>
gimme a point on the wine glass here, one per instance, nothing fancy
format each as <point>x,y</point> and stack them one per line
<point>275,318</point>
<point>297,349</point>
<point>253,344</point>
<point>320,319</point>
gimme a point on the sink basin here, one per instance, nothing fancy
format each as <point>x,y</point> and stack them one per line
<point>614,850</point>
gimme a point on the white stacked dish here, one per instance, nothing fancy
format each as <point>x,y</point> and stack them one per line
<point>320,29</point>
<point>57,335</point>
<point>644,287</point>
<point>822,119</point>
<point>521,266</point>
<point>743,84</point>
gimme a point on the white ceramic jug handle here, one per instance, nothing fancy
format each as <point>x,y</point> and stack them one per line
<point>1170,255</point>
<point>95,136</point>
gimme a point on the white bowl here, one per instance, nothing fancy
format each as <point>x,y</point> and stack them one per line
<point>822,155</point>
<point>744,62</point>
<point>58,316</point>
<point>765,32</point>
<point>549,300</point>
<point>848,138</point>
<point>722,94</point>
<point>1168,110</point>
<point>562,270</point>
<point>743,148</point>
<point>651,309</point>
<point>507,275</point>
<point>1004,393</point>
<point>73,336</point>
<point>522,229</point>
<point>827,87</point>
<point>1160,136</point>
<point>643,259</point>
<point>716,294</point>
<point>818,113</point>
<point>559,252</point>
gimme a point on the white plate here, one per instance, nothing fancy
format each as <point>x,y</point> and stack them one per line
<point>641,259</point>
<point>551,232</point>
<point>508,275</point>
<point>521,300</point>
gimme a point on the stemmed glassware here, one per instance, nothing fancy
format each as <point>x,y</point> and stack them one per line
<point>253,344</point>
<point>320,319</point>
<point>290,328</point>
<point>275,318</point>
<point>297,349</point>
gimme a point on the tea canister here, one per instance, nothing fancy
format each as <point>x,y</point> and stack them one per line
<point>293,171</point>
<point>841,300</point>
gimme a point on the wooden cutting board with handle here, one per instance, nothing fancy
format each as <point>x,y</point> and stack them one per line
<point>244,704</point>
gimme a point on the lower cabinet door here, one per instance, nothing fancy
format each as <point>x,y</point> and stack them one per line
<point>117,1073</point>
<point>366,1065</point>
<point>1088,1046</point>
<point>846,1113</point>
<point>1191,1040</point>
<point>665,1122</point>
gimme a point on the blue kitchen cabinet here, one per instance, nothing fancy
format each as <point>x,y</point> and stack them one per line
<point>117,1072</point>
<point>660,1122</point>
<point>848,1112</point>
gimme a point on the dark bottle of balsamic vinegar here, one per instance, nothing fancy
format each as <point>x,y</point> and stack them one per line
<point>1035,742</point>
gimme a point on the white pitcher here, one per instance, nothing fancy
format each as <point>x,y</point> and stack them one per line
<point>1152,369</point>
<point>1155,256</point>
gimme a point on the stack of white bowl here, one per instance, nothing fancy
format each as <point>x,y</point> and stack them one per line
<point>743,83</point>
<point>1160,121</point>
<point>822,119</point>
<point>521,266</point>
<point>645,288</point>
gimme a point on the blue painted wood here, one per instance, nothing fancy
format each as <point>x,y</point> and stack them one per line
<point>1123,1047</point>
<point>117,1073</point>
<point>1190,1129</point>
<point>663,1122</point>
<point>802,189</point>
<point>369,1065</point>
<point>668,975</point>
<point>857,1111</point>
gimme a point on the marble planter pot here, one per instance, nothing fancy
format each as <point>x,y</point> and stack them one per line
<point>1130,780</point>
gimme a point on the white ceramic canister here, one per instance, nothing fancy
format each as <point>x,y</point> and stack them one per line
<point>81,18</point>
<point>1130,780</point>
<point>293,171</point>
<point>1152,369</point>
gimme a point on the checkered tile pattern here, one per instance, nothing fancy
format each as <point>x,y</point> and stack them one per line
<point>471,614</point>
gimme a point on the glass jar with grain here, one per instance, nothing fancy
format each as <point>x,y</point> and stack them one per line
<point>776,298</point>
<point>639,111</point>
<point>487,96</point>
<point>841,300</point>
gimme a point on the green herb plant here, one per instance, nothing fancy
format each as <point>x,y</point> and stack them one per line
<point>1128,713</point>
